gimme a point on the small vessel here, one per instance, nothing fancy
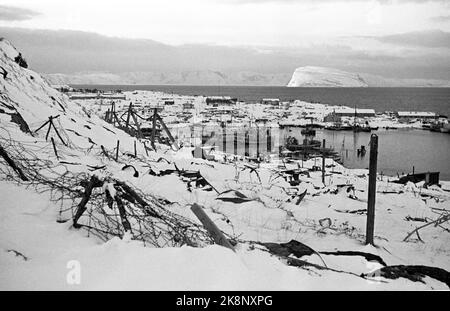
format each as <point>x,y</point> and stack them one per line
<point>308,131</point>
<point>337,126</point>
<point>360,128</point>
<point>445,128</point>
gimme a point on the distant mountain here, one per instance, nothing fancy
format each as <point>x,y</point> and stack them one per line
<point>194,77</point>
<point>311,76</point>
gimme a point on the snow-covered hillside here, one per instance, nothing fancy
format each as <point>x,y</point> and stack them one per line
<point>311,76</point>
<point>126,222</point>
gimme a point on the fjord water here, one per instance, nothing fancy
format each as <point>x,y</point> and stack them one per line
<point>398,150</point>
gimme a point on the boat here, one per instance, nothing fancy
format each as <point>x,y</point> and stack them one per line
<point>337,126</point>
<point>308,131</point>
<point>359,128</point>
<point>445,128</point>
<point>292,144</point>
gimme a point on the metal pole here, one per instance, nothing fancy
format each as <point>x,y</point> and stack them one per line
<point>372,189</point>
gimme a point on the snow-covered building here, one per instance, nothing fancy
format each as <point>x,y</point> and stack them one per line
<point>409,115</point>
<point>220,100</point>
<point>271,101</point>
<point>348,112</point>
<point>188,106</point>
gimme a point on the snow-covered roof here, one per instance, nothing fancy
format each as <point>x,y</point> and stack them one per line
<point>220,97</point>
<point>270,100</point>
<point>348,110</point>
<point>416,114</point>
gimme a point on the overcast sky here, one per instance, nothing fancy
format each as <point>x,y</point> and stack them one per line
<point>261,22</point>
<point>405,30</point>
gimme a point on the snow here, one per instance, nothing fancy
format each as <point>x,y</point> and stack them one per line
<point>311,76</point>
<point>38,228</point>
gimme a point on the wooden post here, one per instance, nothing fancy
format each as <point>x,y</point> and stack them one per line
<point>128,115</point>
<point>166,129</point>
<point>113,111</point>
<point>145,147</point>
<point>235,142</point>
<point>372,189</point>
<point>210,226</point>
<point>138,134</point>
<point>117,150</point>
<point>11,163</point>
<point>135,151</point>
<point>257,141</point>
<point>54,148</point>
<point>50,120</point>
<point>154,129</point>
<point>247,144</point>
<point>224,138</point>
<point>323,162</point>
<point>86,196</point>
<point>269,140</point>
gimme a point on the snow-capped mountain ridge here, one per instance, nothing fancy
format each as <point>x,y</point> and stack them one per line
<point>312,76</point>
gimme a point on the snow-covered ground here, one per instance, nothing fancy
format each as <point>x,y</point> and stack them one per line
<point>41,249</point>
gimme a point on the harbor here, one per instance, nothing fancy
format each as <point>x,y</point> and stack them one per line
<point>294,129</point>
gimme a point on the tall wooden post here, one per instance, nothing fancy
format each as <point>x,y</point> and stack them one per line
<point>372,189</point>
<point>117,150</point>
<point>128,115</point>
<point>247,144</point>
<point>257,141</point>
<point>135,151</point>
<point>235,142</point>
<point>323,161</point>
<point>269,140</point>
<point>154,129</point>
<point>224,138</point>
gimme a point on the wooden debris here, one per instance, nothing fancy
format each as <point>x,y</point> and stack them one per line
<point>13,165</point>
<point>209,225</point>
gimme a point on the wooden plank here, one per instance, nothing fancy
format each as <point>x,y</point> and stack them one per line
<point>210,226</point>
<point>11,163</point>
